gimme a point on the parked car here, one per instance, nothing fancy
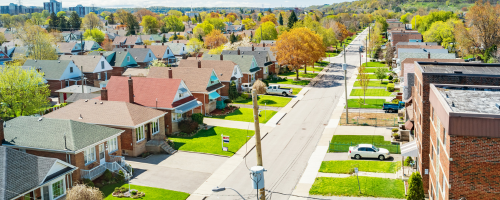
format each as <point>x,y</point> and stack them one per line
<point>246,87</point>
<point>277,89</point>
<point>368,151</point>
<point>361,48</point>
<point>391,107</point>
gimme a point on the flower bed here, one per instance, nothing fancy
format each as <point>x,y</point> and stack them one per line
<point>225,111</point>
<point>122,192</point>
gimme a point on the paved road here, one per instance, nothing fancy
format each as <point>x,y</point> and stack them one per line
<point>288,147</point>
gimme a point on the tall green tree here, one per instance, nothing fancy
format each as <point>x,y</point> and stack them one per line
<point>380,73</point>
<point>111,19</point>
<point>292,19</point>
<point>266,31</point>
<point>233,38</point>
<point>22,92</point>
<point>54,22</point>
<point>63,23</point>
<point>415,187</point>
<point>172,23</point>
<point>132,24</point>
<point>280,20</point>
<point>61,13</point>
<point>150,24</point>
<point>94,35</point>
<point>75,21</point>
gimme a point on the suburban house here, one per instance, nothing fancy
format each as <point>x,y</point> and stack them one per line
<point>91,148</point>
<point>64,93</point>
<point>417,46</point>
<point>464,141</point>
<point>227,72</point>
<point>262,57</point>
<point>119,41</point>
<point>94,68</point>
<point>141,56</point>
<point>422,50</point>
<point>127,41</point>
<point>273,68</point>
<point>79,96</point>
<point>119,61</point>
<point>140,124</point>
<point>169,95</point>
<point>69,48</point>
<point>58,73</point>
<point>4,57</point>
<point>161,52</point>
<point>234,28</point>
<point>203,83</point>
<point>178,49</point>
<point>89,45</point>
<point>403,36</point>
<point>404,55</point>
<point>247,64</point>
<point>395,23</point>
<point>427,73</point>
<point>26,176</point>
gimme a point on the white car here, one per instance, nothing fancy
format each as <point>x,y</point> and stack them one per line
<point>246,87</point>
<point>368,151</point>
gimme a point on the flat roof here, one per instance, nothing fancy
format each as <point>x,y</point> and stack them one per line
<point>459,68</point>
<point>471,99</point>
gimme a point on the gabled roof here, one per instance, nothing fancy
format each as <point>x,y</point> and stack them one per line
<point>223,68</point>
<point>196,79</point>
<point>106,54</point>
<point>21,172</point>
<point>120,56</point>
<point>136,72</point>
<point>261,57</point>
<point>138,54</point>
<point>52,69</point>
<point>132,39</point>
<point>50,133</point>
<point>120,40</point>
<point>112,113</point>
<point>66,47</point>
<point>88,62</point>
<point>88,44</point>
<point>158,50</point>
<point>243,61</point>
<point>176,47</point>
<point>267,48</point>
<point>78,89</point>
<point>150,92</point>
<point>78,96</point>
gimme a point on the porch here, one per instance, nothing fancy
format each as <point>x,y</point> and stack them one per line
<point>115,164</point>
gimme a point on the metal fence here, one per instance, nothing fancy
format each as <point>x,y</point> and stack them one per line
<point>370,122</point>
<point>343,147</point>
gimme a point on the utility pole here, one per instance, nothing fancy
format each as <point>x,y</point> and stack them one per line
<point>81,43</point>
<point>345,87</point>
<point>262,191</point>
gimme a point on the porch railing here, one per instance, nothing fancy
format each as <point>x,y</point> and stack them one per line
<point>121,160</point>
<point>99,170</point>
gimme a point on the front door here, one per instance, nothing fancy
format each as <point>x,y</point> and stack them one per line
<point>45,193</point>
<point>102,154</point>
<point>146,131</point>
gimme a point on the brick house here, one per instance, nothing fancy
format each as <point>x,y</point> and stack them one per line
<point>169,95</point>
<point>140,124</point>
<point>247,64</point>
<point>141,56</point>
<point>203,83</point>
<point>94,68</point>
<point>403,36</point>
<point>26,176</point>
<point>464,136</point>
<point>417,45</point>
<point>262,58</point>
<point>87,146</point>
<point>441,73</point>
<point>119,61</point>
<point>59,74</point>
<point>227,72</point>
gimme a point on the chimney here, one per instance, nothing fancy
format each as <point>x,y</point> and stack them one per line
<point>5,50</point>
<point>199,63</point>
<point>104,94</point>
<point>221,57</point>
<point>125,49</point>
<point>170,73</point>
<point>239,52</point>
<point>130,89</point>
<point>2,136</point>
<point>263,44</point>
<point>177,41</point>
<point>429,55</point>
<point>252,47</point>
<point>101,54</point>
<point>162,44</point>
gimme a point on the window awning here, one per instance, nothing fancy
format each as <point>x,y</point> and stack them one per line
<point>213,95</point>
<point>409,149</point>
<point>187,107</point>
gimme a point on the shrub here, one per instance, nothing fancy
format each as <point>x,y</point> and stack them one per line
<point>390,78</point>
<point>198,118</point>
<point>120,177</point>
<point>396,80</point>
<point>81,191</point>
<point>99,185</point>
<point>88,182</point>
<point>117,190</point>
<point>187,126</point>
<point>244,95</point>
<point>415,187</point>
<point>133,192</point>
<point>227,101</point>
<point>123,189</point>
<point>395,130</point>
<point>266,82</point>
<point>395,135</point>
<point>408,160</point>
<point>107,175</point>
<point>390,87</point>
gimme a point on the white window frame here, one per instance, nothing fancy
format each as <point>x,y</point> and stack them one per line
<point>89,152</point>
<point>63,188</point>
<point>155,126</point>
<point>139,134</point>
<point>99,76</point>
<point>128,58</point>
<point>112,145</point>
<point>176,117</point>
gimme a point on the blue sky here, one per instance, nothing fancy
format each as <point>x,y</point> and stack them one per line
<point>183,3</point>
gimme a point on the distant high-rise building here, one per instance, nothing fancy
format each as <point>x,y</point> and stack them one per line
<point>14,9</point>
<point>81,10</point>
<point>53,6</point>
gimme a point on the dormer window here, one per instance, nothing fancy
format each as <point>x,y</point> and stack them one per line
<point>70,69</point>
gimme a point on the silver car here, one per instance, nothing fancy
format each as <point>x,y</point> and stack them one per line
<point>368,151</point>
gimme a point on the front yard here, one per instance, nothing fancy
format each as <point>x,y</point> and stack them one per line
<point>210,141</point>
<point>273,101</point>
<point>374,64</point>
<point>347,166</point>
<point>296,91</point>
<point>370,92</point>
<point>341,143</point>
<point>370,103</point>
<point>301,74</point>
<point>151,192</point>
<point>370,187</point>
<point>321,63</point>
<point>246,115</point>
<point>290,81</point>
<point>373,83</point>
<point>374,69</point>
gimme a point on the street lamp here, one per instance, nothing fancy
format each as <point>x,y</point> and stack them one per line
<point>218,189</point>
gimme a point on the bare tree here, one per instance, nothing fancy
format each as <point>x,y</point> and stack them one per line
<point>81,191</point>
<point>364,80</point>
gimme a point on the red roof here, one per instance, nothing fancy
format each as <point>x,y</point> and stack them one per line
<point>146,91</point>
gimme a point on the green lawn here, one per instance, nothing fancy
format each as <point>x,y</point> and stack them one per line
<point>321,63</point>
<point>370,92</point>
<point>332,53</point>
<point>373,83</point>
<point>370,187</point>
<point>341,143</point>
<point>151,192</point>
<point>315,69</point>
<point>369,103</point>
<point>301,74</point>
<point>246,115</point>
<point>345,166</point>
<point>274,101</point>
<point>373,69</point>
<point>375,64</point>
<point>290,81</point>
<point>296,91</point>
<point>372,76</point>
<point>210,141</point>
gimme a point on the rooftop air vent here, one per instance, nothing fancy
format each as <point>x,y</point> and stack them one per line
<point>101,102</point>
<point>40,119</point>
<point>86,100</point>
<point>80,117</point>
<point>452,104</point>
<point>497,105</point>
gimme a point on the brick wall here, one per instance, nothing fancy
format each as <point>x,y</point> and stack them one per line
<point>246,78</point>
<point>168,122</point>
<point>201,98</point>
<point>55,85</point>
<point>260,74</point>
<point>117,71</point>
<point>225,90</point>
<point>127,139</point>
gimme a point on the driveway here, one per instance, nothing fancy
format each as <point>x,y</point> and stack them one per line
<point>343,156</point>
<point>183,171</point>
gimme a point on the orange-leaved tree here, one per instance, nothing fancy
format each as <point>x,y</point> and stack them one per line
<point>215,39</point>
<point>270,17</point>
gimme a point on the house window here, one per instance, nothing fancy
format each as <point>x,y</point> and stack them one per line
<point>98,76</point>
<point>102,64</point>
<point>168,51</point>
<point>70,69</point>
<point>139,133</point>
<point>155,126</point>
<point>67,83</point>
<point>444,184</point>
<point>149,54</point>
<point>112,145</point>
<point>176,117</point>
<point>89,155</point>
<point>58,189</point>
<point>444,136</point>
<point>128,58</point>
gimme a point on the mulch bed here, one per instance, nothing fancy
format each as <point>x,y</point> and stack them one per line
<point>227,110</point>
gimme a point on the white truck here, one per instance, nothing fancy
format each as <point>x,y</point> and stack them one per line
<point>276,89</point>
<point>246,87</point>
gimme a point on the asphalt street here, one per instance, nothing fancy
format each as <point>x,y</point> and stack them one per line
<point>288,147</point>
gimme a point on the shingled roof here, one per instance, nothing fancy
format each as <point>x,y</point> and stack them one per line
<point>223,68</point>
<point>52,69</point>
<point>88,62</point>
<point>138,54</point>
<point>196,79</point>
<point>243,61</point>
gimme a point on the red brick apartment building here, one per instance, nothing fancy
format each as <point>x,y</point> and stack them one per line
<point>427,73</point>
<point>464,142</point>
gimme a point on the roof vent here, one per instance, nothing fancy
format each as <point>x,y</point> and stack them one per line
<point>80,117</point>
<point>40,119</point>
<point>447,95</point>
<point>94,56</point>
<point>86,100</point>
<point>58,61</point>
<point>452,104</point>
<point>497,105</point>
<point>95,102</point>
<point>457,72</point>
<point>101,103</point>
<point>221,74</point>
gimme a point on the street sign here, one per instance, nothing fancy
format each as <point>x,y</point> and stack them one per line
<point>356,170</point>
<point>224,148</point>
<point>225,139</point>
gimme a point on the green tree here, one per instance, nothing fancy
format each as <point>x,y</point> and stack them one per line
<point>280,20</point>
<point>175,13</point>
<point>217,23</point>
<point>132,24</point>
<point>40,43</point>
<point>195,45</point>
<point>61,13</point>
<point>54,22</point>
<point>441,32</point>
<point>380,73</point>
<point>149,24</point>
<point>45,14</point>
<point>163,38</point>
<point>91,21</point>
<point>37,18</point>
<point>233,91</point>
<point>173,23</point>
<point>415,187</point>
<point>94,35</point>
<point>175,36</point>
<point>292,19</point>
<point>404,18</point>
<point>268,31</point>
<point>193,20</point>
<point>22,92</point>
<point>2,38</point>
<point>111,19</point>
<point>63,23</point>
<point>75,21</point>
<point>360,102</point>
